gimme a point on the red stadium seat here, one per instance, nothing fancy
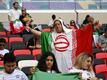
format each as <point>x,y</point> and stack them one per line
<point>102,55</point>
<point>36,52</point>
<point>1,64</point>
<point>22,52</point>
<point>8,33</point>
<point>2,33</point>
<point>102,68</point>
<point>15,39</point>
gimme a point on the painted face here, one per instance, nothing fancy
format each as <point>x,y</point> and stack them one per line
<point>87,63</point>
<point>49,62</point>
<point>9,67</point>
<point>58,26</point>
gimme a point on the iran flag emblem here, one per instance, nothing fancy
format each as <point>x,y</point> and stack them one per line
<point>16,26</point>
<point>61,43</point>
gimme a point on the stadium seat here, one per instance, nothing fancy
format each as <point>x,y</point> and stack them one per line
<point>27,37</point>
<point>25,63</point>
<point>24,57</point>
<point>16,45</point>
<point>22,52</point>
<point>36,52</point>
<point>2,33</point>
<point>102,55</point>
<point>15,39</point>
<point>102,68</point>
<point>1,64</point>
<point>26,68</point>
<point>13,35</point>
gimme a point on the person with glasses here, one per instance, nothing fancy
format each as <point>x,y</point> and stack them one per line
<point>73,25</point>
<point>3,51</point>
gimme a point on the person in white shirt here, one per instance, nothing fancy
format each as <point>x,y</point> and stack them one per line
<point>102,41</point>
<point>10,72</point>
<point>15,12</point>
<point>3,51</point>
<point>83,65</point>
<point>13,16</point>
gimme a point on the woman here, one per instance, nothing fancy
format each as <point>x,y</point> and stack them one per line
<point>86,20</point>
<point>65,43</point>
<point>83,64</point>
<point>73,25</point>
<point>47,63</point>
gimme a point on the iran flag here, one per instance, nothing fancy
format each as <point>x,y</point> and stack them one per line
<point>16,26</point>
<point>66,46</point>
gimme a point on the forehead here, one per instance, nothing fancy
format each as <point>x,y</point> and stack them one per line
<point>89,59</point>
<point>16,4</point>
<point>57,22</point>
<point>10,63</point>
<point>49,57</point>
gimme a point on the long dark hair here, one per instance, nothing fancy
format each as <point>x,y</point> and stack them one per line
<point>42,65</point>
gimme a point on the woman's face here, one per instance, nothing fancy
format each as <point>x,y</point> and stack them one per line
<point>72,23</point>
<point>87,63</point>
<point>49,62</point>
<point>58,26</point>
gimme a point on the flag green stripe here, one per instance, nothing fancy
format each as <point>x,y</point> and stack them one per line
<point>45,41</point>
<point>39,75</point>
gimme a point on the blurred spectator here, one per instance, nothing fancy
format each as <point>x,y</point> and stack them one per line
<point>14,13</point>
<point>2,5</point>
<point>83,64</point>
<point>86,20</point>
<point>102,41</point>
<point>10,72</point>
<point>16,25</point>
<point>52,21</point>
<point>25,17</point>
<point>47,63</point>
<point>73,25</point>
<point>3,51</point>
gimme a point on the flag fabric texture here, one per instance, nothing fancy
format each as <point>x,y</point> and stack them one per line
<point>16,26</point>
<point>66,46</point>
<point>47,76</point>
